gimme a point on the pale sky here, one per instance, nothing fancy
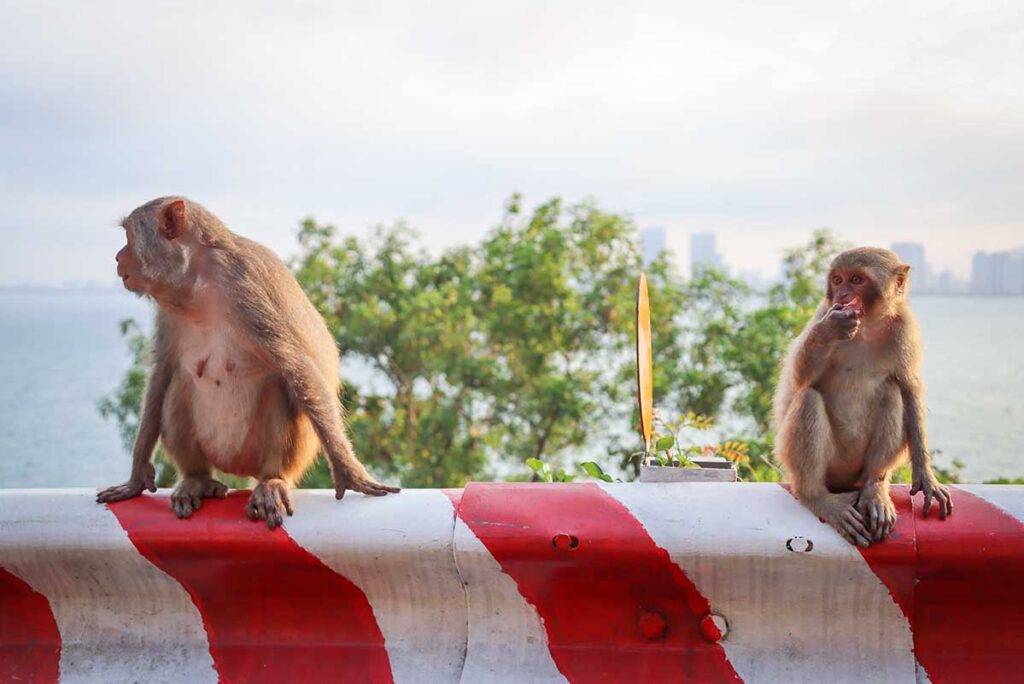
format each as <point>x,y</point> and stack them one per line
<point>758,121</point>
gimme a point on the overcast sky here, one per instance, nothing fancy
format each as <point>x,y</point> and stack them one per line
<point>758,121</point>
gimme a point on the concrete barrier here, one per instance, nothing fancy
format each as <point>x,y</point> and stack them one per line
<point>509,582</point>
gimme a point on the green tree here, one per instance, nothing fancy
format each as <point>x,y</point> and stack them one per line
<point>510,350</point>
<point>409,318</point>
<point>556,304</point>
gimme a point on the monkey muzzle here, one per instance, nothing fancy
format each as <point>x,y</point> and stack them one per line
<point>854,306</point>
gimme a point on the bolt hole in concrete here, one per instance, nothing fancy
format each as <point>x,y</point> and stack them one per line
<point>800,545</point>
<point>713,627</point>
<point>565,541</point>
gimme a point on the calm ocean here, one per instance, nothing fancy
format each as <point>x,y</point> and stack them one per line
<point>61,351</point>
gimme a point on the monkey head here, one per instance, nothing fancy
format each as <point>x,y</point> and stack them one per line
<point>160,242</point>
<point>874,277</point>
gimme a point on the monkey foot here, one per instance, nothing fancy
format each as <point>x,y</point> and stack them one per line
<point>189,494</point>
<point>269,502</point>
<point>839,511</point>
<point>877,512</point>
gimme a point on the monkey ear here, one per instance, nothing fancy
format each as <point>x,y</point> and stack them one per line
<point>900,277</point>
<point>172,220</point>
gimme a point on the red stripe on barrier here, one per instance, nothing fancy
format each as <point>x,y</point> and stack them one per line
<point>615,606</point>
<point>29,638</point>
<point>958,583</point>
<point>272,611</point>
<point>970,593</point>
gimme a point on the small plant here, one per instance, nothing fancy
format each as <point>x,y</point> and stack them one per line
<point>674,444</point>
<point>547,474</point>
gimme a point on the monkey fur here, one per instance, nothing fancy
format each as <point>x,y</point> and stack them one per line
<point>849,405</point>
<point>245,373</point>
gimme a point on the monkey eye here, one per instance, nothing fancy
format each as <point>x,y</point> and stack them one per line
<point>856,279</point>
<point>837,280</point>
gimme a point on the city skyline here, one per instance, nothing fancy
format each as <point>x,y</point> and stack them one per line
<point>993,273</point>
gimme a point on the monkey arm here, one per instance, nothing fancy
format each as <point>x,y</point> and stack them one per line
<point>913,422</point>
<point>143,475</point>
<point>811,351</point>
<point>149,424</point>
<point>923,480</point>
<point>811,359</point>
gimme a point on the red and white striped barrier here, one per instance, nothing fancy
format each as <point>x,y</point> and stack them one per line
<point>509,582</point>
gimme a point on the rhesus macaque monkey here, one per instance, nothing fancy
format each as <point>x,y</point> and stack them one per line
<point>245,374</point>
<point>850,403</point>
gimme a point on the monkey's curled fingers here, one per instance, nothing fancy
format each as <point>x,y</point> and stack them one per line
<point>926,482</point>
<point>136,484</point>
<point>363,484</point>
<point>843,322</point>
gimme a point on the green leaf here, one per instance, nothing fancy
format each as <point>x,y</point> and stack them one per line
<point>562,476</point>
<point>606,477</point>
<point>535,464</point>
<point>593,470</point>
<point>664,443</point>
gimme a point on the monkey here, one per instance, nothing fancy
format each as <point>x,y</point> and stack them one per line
<point>849,405</point>
<point>245,373</point>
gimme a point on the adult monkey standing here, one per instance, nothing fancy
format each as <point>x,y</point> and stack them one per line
<point>850,402</point>
<point>245,374</point>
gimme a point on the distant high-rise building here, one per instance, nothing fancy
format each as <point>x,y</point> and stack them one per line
<point>704,252</point>
<point>912,253</point>
<point>983,275</point>
<point>1013,276</point>
<point>998,273</point>
<point>652,243</point>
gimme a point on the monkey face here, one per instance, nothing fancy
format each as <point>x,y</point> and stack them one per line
<point>875,276</point>
<point>852,289</point>
<point>156,255</point>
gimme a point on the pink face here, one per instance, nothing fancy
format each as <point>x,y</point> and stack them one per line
<point>851,287</point>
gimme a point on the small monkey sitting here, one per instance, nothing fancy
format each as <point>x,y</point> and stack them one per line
<point>850,402</point>
<point>245,374</point>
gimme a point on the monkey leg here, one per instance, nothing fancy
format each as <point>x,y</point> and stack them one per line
<point>179,440</point>
<point>887,445</point>
<point>287,446</point>
<point>806,447</point>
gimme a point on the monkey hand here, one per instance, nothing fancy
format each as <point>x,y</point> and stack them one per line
<point>358,480</point>
<point>840,323</point>
<point>142,479</point>
<point>924,481</point>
